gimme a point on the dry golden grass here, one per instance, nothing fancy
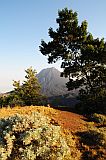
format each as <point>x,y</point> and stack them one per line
<point>27,110</point>
<point>71,123</point>
<point>67,120</point>
<point>55,117</point>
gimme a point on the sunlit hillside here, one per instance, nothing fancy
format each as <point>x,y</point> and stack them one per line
<point>23,126</point>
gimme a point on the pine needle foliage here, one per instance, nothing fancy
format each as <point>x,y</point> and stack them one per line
<point>83,58</point>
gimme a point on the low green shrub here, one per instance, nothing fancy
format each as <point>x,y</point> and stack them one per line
<point>99,118</point>
<point>94,137</point>
<point>34,137</point>
<point>93,144</point>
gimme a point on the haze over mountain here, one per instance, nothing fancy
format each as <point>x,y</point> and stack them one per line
<point>54,87</point>
<point>52,84</point>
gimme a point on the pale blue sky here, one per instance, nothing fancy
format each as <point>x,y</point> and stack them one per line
<point>23,23</point>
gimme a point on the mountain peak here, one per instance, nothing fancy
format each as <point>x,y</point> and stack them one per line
<point>51,82</point>
<point>49,69</point>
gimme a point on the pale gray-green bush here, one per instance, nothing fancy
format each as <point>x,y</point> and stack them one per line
<point>32,138</point>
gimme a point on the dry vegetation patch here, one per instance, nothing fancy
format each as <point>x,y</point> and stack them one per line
<point>27,110</point>
<point>86,140</point>
<point>67,120</point>
<point>18,133</point>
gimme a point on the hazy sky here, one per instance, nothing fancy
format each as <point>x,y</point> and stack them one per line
<point>23,23</point>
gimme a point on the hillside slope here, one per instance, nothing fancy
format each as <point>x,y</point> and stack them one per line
<point>85,139</point>
<point>74,121</point>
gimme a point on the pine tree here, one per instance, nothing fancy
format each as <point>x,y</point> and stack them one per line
<point>29,92</point>
<point>83,58</point>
